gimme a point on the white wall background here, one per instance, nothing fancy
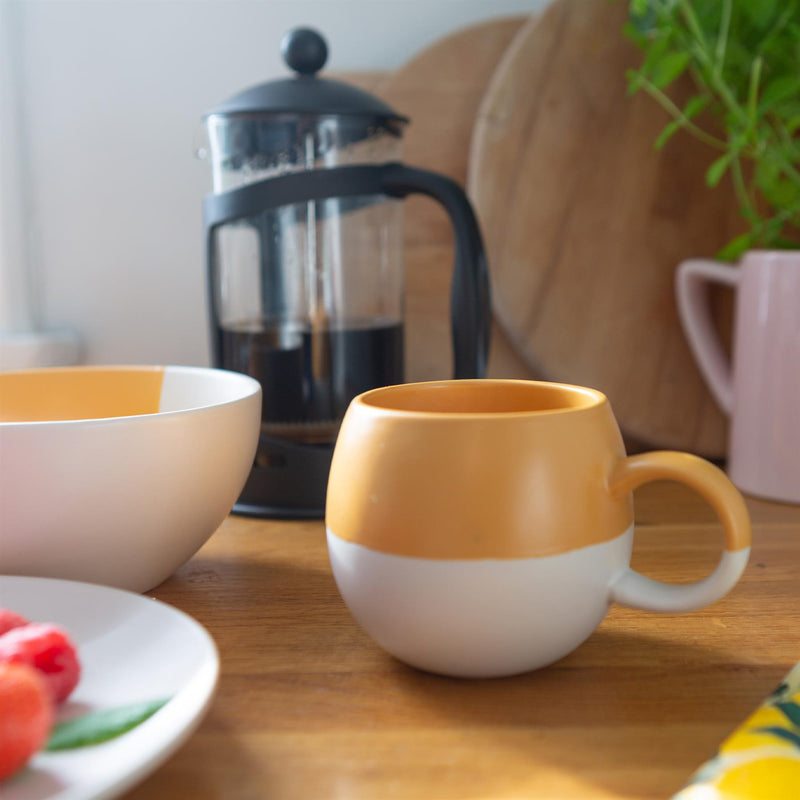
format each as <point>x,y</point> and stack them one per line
<point>100,108</point>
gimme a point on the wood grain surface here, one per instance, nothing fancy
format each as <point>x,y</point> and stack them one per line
<point>441,89</point>
<point>586,222</point>
<point>309,707</point>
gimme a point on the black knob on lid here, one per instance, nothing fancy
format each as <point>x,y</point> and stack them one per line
<point>304,50</point>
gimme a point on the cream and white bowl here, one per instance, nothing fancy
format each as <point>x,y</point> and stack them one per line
<point>118,475</point>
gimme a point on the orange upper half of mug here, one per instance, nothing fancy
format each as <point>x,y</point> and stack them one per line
<point>74,393</point>
<point>477,469</point>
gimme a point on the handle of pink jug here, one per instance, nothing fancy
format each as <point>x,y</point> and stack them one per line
<point>693,278</point>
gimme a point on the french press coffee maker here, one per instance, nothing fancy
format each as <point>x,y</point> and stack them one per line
<point>305,265</point>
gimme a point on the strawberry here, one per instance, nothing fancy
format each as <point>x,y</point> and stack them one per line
<point>9,620</point>
<point>48,649</point>
<point>26,716</point>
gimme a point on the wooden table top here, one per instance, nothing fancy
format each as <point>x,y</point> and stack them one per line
<point>308,707</point>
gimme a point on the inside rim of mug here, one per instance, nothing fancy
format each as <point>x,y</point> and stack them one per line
<point>482,397</point>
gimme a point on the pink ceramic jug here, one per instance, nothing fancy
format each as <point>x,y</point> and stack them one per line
<point>760,390</point>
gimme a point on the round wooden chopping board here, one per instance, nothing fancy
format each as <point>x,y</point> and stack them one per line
<point>585,223</point>
<point>441,89</point>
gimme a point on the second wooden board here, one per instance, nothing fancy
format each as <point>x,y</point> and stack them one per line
<point>585,223</point>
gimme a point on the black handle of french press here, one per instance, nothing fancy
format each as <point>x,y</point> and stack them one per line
<point>470,309</point>
<point>470,305</point>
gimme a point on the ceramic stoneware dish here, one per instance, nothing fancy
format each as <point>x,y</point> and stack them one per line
<point>483,528</point>
<point>117,475</point>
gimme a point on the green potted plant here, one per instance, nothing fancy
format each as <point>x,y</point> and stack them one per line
<point>744,59</point>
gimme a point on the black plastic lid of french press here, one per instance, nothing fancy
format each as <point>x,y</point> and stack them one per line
<point>305,51</point>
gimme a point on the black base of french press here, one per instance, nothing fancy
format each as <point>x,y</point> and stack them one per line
<point>287,481</point>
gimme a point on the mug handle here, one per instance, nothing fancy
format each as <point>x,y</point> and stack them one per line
<point>630,588</point>
<point>691,287</point>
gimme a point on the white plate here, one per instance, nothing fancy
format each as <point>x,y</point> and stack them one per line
<point>132,648</point>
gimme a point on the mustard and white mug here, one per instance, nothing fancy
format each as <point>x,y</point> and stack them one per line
<point>480,528</point>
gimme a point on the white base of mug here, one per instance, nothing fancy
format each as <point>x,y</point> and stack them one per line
<point>479,618</point>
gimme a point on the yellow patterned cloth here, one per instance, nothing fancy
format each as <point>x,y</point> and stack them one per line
<point>760,760</point>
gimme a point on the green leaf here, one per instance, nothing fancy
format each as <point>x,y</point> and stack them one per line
<point>668,69</point>
<point>780,192</point>
<point>669,130</point>
<point>745,67</point>
<point>736,247</point>
<point>782,88</point>
<point>643,18</point>
<point>695,105</point>
<point>718,167</point>
<point>100,726</point>
<point>635,81</point>
<point>630,31</point>
<point>638,7</point>
<point>657,47</point>
<point>768,171</point>
<point>760,12</point>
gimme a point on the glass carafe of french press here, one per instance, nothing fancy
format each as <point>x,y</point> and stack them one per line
<point>305,265</point>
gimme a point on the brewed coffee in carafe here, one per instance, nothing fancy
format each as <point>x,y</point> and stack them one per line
<point>309,376</point>
<point>310,301</point>
<point>304,240</point>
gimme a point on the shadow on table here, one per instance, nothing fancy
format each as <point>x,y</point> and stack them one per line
<point>628,713</point>
<point>273,615</point>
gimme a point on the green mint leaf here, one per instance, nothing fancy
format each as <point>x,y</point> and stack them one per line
<point>736,247</point>
<point>634,81</point>
<point>717,169</point>
<point>783,88</point>
<point>761,12</point>
<point>643,18</point>
<point>638,7</point>
<point>768,171</point>
<point>100,726</point>
<point>668,69</point>
<point>695,105</point>
<point>669,130</point>
<point>782,193</point>
<point>630,31</point>
<point>744,57</point>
